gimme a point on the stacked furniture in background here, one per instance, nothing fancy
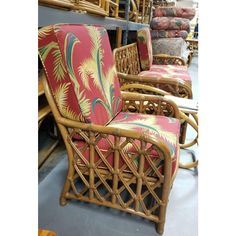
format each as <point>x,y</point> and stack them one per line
<point>170,27</point>
<point>97,7</point>
<point>139,10</point>
<point>164,3</point>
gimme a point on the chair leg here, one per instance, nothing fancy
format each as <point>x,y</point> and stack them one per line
<point>160,228</point>
<point>69,177</point>
<point>183,131</point>
<point>162,217</point>
<point>65,190</point>
<point>63,201</point>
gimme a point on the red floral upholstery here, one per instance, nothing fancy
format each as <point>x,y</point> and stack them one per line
<point>168,71</point>
<point>183,12</point>
<point>81,72</point>
<point>159,127</point>
<point>145,48</point>
<point>170,23</point>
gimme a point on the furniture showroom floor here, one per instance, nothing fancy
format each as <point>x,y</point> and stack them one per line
<point>84,219</point>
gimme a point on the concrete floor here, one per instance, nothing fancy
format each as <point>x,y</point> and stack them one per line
<point>83,219</point>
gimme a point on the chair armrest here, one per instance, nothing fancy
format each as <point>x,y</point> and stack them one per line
<point>176,87</point>
<point>164,59</point>
<point>149,104</point>
<point>142,88</point>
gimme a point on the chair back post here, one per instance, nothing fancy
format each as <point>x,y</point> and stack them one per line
<point>65,134</point>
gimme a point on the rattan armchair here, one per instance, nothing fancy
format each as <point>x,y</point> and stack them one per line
<point>134,63</point>
<point>123,148</point>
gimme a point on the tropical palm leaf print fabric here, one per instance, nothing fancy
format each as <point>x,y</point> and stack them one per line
<point>157,127</point>
<point>81,72</point>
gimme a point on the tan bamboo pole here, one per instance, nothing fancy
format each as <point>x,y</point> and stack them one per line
<point>117,9</point>
<point>143,12</point>
<point>139,178</point>
<point>116,169</point>
<point>91,167</point>
<point>64,133</point>
<point>118,37</point>
<point>165,194</point>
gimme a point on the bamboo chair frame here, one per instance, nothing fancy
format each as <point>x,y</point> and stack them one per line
<point>146,89</point>
<point>93,176</point>
<point>133,12</point>
<point>61,4</point>
<point>145,10</point>
<point>139,10</point>
<point>98,8</point>
<point>111,7</point>
<point>128,67</point>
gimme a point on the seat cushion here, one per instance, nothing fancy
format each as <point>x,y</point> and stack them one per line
<point>158,127</point>
<point>183,12</point>
<point>145,48</point>
<point>170,23</point>
<point>157,34</point>
<point>171,46</point>
<point>81,72</point>
<point>168,71</point>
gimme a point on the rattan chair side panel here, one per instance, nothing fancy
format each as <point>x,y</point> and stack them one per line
<point>161,107</point>
<point>117,181</point>
<point>127,59</point>
<point>126,187</point>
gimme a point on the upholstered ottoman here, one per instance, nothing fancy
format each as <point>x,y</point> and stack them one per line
<point>170,23</point>
<point>183,12</point>
<point>157,34</point>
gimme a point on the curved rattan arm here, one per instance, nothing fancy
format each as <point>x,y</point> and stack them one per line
<point>149,104</point>
<point>143,87</point>
<point>194,123</point>
<point>150,90</point>
<point>176,87</point>
<point>164,59</point>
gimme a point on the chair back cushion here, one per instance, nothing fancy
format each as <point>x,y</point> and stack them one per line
<point>81,72</point>
<point>145,48</point>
